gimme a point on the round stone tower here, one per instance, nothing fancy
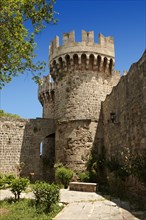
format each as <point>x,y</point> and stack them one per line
<point>83,76</point>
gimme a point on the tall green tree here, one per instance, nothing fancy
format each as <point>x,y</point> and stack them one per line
<point>17,43</point>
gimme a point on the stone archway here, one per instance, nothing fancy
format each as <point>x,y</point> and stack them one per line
<point>48,157</point>
<point>36,131</point>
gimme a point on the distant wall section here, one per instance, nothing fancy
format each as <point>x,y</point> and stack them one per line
<point>124,113</point>
<point>11,140</point>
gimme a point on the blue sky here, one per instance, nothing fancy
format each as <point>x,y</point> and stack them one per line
<point>125,20</point>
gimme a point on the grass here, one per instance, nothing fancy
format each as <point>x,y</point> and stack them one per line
<point>25,210</point>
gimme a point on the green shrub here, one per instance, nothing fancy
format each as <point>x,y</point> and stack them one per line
<point>5,180</point>
<point>9,178</point>
<point>46,195</point>
<point>63,175</point>
<point>18,185</point>
<point>84,177</point>
<point>2,182</point>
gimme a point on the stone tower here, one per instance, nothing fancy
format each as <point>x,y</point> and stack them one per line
<point>83,74</point>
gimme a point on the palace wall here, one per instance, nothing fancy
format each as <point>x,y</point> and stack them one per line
<point>124,112</point>
<point>20,141</point>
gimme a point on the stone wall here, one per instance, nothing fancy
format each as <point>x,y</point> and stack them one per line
<point>73,141</point>
<point>79,94</point>
<point>20,145</point>
<point>124,112</point>
<point>11,140</point>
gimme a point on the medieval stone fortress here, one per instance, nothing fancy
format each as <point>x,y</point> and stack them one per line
<point>86,105</point>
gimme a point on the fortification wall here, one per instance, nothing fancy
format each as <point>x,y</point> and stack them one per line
<point>124,113</point>
<point>20,145</point>
<point>73,143</point>
<point>11,141</point>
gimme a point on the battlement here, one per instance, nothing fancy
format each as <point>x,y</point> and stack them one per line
<point>46,90</point>
<point>84,55</point>
<point>105,45</point>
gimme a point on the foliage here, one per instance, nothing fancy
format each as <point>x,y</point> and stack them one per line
<point>97,168</point>
<point>63,175</point>
<point>138,166</point>
<point>120,170</point>
<point>45,195</point>
<point>4,114</point>
<point>2,182</point>
<point>18,185</point>
<point>25,210</point>
<point>6,180</point>
<point>20,21</point>
<point>84,177</point>
<point>112,174</point>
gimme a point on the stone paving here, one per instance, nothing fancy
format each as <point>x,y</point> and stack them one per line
<point>91,206</point>
<point>87,206</point>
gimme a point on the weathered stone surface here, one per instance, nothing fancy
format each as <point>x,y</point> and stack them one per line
<point>20,145</point>
<point>127,102</point>
<point>83,187</point>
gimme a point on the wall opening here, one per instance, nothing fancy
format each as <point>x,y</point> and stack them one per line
<point>99,62</point>
<point>60,62</point>
<point>91,62</point>
<point>87,39</point>
<point>48,157</point>
<point>67,57</point>
<point>41,149</point>
<point>104,64</point>
<point>75,59</point>
<point>111,66</point>
<point>83,60</point>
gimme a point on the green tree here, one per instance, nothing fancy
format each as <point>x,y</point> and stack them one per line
<point>17,43</point>
<point>18,185</point>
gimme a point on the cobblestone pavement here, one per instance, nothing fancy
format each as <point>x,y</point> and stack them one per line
<point>87,206</point>
<point>91,206</point>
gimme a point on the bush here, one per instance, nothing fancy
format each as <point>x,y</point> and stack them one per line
<point>84,177</point>
<point>46,195</point>
<point>63,176</point>
<point>18,185</point>
<point>1,181</point>
<point>9,178</point>
<point>6,180</point>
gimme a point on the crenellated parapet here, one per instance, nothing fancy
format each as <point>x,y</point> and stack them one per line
<point>46,90</point>
<point>85,55</point>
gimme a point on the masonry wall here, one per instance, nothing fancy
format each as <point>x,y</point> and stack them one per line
<point>128,102</point>
<point>20,145</point>
<point>49,109</point>
<point>11,140</point>
<point>73,143</point>
<point>79,94</point>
